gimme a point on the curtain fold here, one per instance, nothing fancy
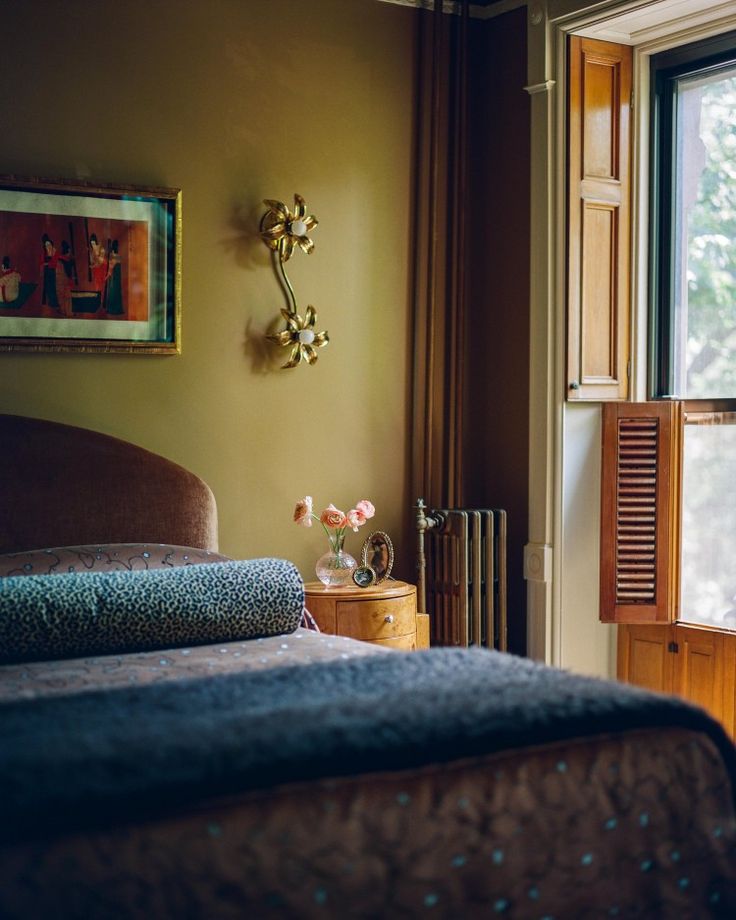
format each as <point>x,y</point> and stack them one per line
<point>440,258</point>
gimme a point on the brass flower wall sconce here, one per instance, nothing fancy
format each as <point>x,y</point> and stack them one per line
<point>283,231</point>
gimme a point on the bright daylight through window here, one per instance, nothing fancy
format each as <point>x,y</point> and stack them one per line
<point>705,236</point>
<point>694,294</point>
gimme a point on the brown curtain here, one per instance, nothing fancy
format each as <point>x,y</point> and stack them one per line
<point>439,282</point>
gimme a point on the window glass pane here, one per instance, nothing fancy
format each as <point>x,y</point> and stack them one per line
<point>704,228</point>
<point>708,578</point>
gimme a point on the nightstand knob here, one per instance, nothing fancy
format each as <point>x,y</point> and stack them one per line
<point>389,618</point>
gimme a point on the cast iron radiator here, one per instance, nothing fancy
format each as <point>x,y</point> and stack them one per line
<point>461,563</point>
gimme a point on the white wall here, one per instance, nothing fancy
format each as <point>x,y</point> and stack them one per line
<point>585,644</point>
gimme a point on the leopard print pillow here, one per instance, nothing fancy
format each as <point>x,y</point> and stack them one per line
<point>92,613</point>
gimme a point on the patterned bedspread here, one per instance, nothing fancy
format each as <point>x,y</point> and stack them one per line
<point>311,776</point>
<point>48,678</point>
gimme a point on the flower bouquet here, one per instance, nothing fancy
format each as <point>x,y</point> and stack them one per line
<point>336,566</point>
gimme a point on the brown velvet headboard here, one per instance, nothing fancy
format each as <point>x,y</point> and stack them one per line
<point>65,486</point>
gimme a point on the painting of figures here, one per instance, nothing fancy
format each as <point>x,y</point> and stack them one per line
<point>90,268</point>
<point>54,266</point>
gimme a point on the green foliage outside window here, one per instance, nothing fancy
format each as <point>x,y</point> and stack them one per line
<point>710,347</point>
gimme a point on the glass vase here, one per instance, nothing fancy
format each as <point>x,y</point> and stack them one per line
<point>335,568</point>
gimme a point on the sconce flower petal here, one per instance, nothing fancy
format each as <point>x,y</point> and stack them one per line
<point>300,334</point>
<point>282,231</point>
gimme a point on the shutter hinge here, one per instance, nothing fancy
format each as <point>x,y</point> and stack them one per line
<point>631,101</point>
<point>673,647</point>
<point>628,369</point>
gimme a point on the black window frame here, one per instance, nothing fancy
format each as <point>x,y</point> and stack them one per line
<point>665,69</point>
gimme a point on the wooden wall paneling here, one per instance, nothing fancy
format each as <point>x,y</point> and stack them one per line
<point>599,169</point>
<point>645,657</point>
<point>729,683</point>
<point>694,662</point>
<point>699,668</point>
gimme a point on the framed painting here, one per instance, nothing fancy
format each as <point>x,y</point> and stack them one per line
<point>89,268</point>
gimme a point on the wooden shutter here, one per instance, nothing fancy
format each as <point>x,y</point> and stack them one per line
<point>699,668</point>
<point>599,168</point>
<point>640,488</point>
<point>646,656</point>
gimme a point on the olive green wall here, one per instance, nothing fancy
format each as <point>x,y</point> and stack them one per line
<point>233,101</point>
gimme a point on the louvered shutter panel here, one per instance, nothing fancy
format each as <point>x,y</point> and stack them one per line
<point>640,483</point>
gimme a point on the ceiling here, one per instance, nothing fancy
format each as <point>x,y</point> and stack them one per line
<point>477,7</point>
<point>659,19</point>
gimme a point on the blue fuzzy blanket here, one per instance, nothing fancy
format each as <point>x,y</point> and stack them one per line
<point>100,756</point>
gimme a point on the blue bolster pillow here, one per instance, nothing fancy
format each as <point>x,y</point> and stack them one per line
<point>92,613</point>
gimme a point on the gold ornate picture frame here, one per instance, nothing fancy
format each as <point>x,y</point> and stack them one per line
<point>89,268</point>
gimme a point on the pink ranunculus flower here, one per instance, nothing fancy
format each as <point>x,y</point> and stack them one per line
<point>355,518</point>
<point>333,517</point>
<point>366,508</point>
<point>303,512</point>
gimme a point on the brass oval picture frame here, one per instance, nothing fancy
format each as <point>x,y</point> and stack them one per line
<point>378,554</point>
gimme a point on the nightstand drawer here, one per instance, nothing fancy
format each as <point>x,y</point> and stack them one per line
<point>377,619</point>
<point>406,643</point>
<point>385,614</point>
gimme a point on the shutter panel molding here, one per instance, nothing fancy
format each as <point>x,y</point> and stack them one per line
<point>640,496</point>
<point>598,217</point>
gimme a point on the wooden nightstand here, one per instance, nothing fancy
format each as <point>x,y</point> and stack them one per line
<point>385,614</point>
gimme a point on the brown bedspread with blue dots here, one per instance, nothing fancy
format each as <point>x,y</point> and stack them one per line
<point>459,782</point>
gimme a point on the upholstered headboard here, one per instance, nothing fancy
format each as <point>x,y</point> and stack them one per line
<point>65,486</point>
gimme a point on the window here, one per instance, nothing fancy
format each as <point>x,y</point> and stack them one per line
<point>694,238</point>
<point>693,259</point>
<point>708,542</point>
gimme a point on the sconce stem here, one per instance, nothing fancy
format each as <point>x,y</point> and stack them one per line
<point>288,289</point>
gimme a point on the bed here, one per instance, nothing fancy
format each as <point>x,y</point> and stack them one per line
<point>259,771</point>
